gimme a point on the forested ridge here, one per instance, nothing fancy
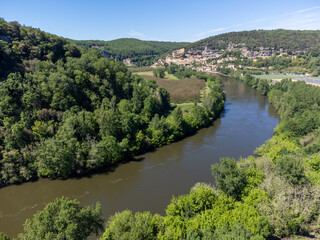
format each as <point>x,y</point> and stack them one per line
<point>141,53</point>
<point>290,40</point>
<point>66,111</point>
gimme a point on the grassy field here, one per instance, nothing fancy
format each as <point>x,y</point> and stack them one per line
<point>186,106</point>
<point>278,76</point>
<point>182,91</point>
<point>148,74</point>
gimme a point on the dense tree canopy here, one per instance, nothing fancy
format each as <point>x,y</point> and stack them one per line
<point>141,53</point>
<point>67,111</point>
<point>64,219</point>
<point>290,40</point>
<point>202,214</point>
<point>275,193</point>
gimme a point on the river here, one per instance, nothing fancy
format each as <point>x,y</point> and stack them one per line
<point>148,183</point>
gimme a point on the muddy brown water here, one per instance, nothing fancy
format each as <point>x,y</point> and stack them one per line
<point>149,183</point>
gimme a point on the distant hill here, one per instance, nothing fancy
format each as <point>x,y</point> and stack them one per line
<point>291,40</point>
<point>22,47</point>
<point>141,52</point>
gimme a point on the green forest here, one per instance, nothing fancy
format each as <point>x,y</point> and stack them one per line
<point>66,111</point>
<point>291,40</point>
<point>274,193</point>
<point>270,195</point>
<point>141,53</point>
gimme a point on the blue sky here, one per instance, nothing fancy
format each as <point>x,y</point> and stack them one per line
<point>164,20</point>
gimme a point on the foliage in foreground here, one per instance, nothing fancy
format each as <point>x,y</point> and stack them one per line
<point>275,193</point>
<point>202,214</point>
<point>64,219</point>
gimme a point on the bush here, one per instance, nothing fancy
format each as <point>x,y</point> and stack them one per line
<point>3,236</point>
<point>187,206</point>
<point>277,146</point>
<point>229,177</point>
<point>64,219</point>
<point>126,226</point>
<point>237,232</point>
<point>290,168</point>
<point>291,208</point>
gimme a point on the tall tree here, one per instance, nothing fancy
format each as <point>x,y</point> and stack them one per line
<point>64,219</point>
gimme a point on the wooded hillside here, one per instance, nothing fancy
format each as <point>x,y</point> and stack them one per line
<point>142,53</point>
<point>291,40</point>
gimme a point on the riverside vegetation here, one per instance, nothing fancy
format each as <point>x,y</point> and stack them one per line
<point>274,193</point>
<point>64,111</point>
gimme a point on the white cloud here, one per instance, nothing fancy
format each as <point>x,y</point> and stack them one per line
<point>134,33</point>
<point>304,19</point>
<point>304,10</point>
<point>211,31</point>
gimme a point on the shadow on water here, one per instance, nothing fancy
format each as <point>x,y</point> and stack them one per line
<point>226,109</point>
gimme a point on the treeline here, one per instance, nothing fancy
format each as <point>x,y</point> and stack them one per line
<point>182,72</point>
<point>296,103</point>
<point>272,194</point>
<point>142,53</point>
<point>22,47</point>
<point>288,178</point>
<point>70,112</point>
<point>290,40</point>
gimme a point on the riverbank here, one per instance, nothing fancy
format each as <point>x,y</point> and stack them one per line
<point>148,182</point>
<point>274,194</point>
<point>132,116</point>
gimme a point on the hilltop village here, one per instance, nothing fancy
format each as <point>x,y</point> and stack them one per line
<point>211,60</point>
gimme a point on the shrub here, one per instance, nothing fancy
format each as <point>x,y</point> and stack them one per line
<point>187,206</point>
<point>126,226</point>
<point>229,177</point>
<point>3,236</point>
<point>291,169</point>
<point>64,219</point>
<point>291,208</point>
